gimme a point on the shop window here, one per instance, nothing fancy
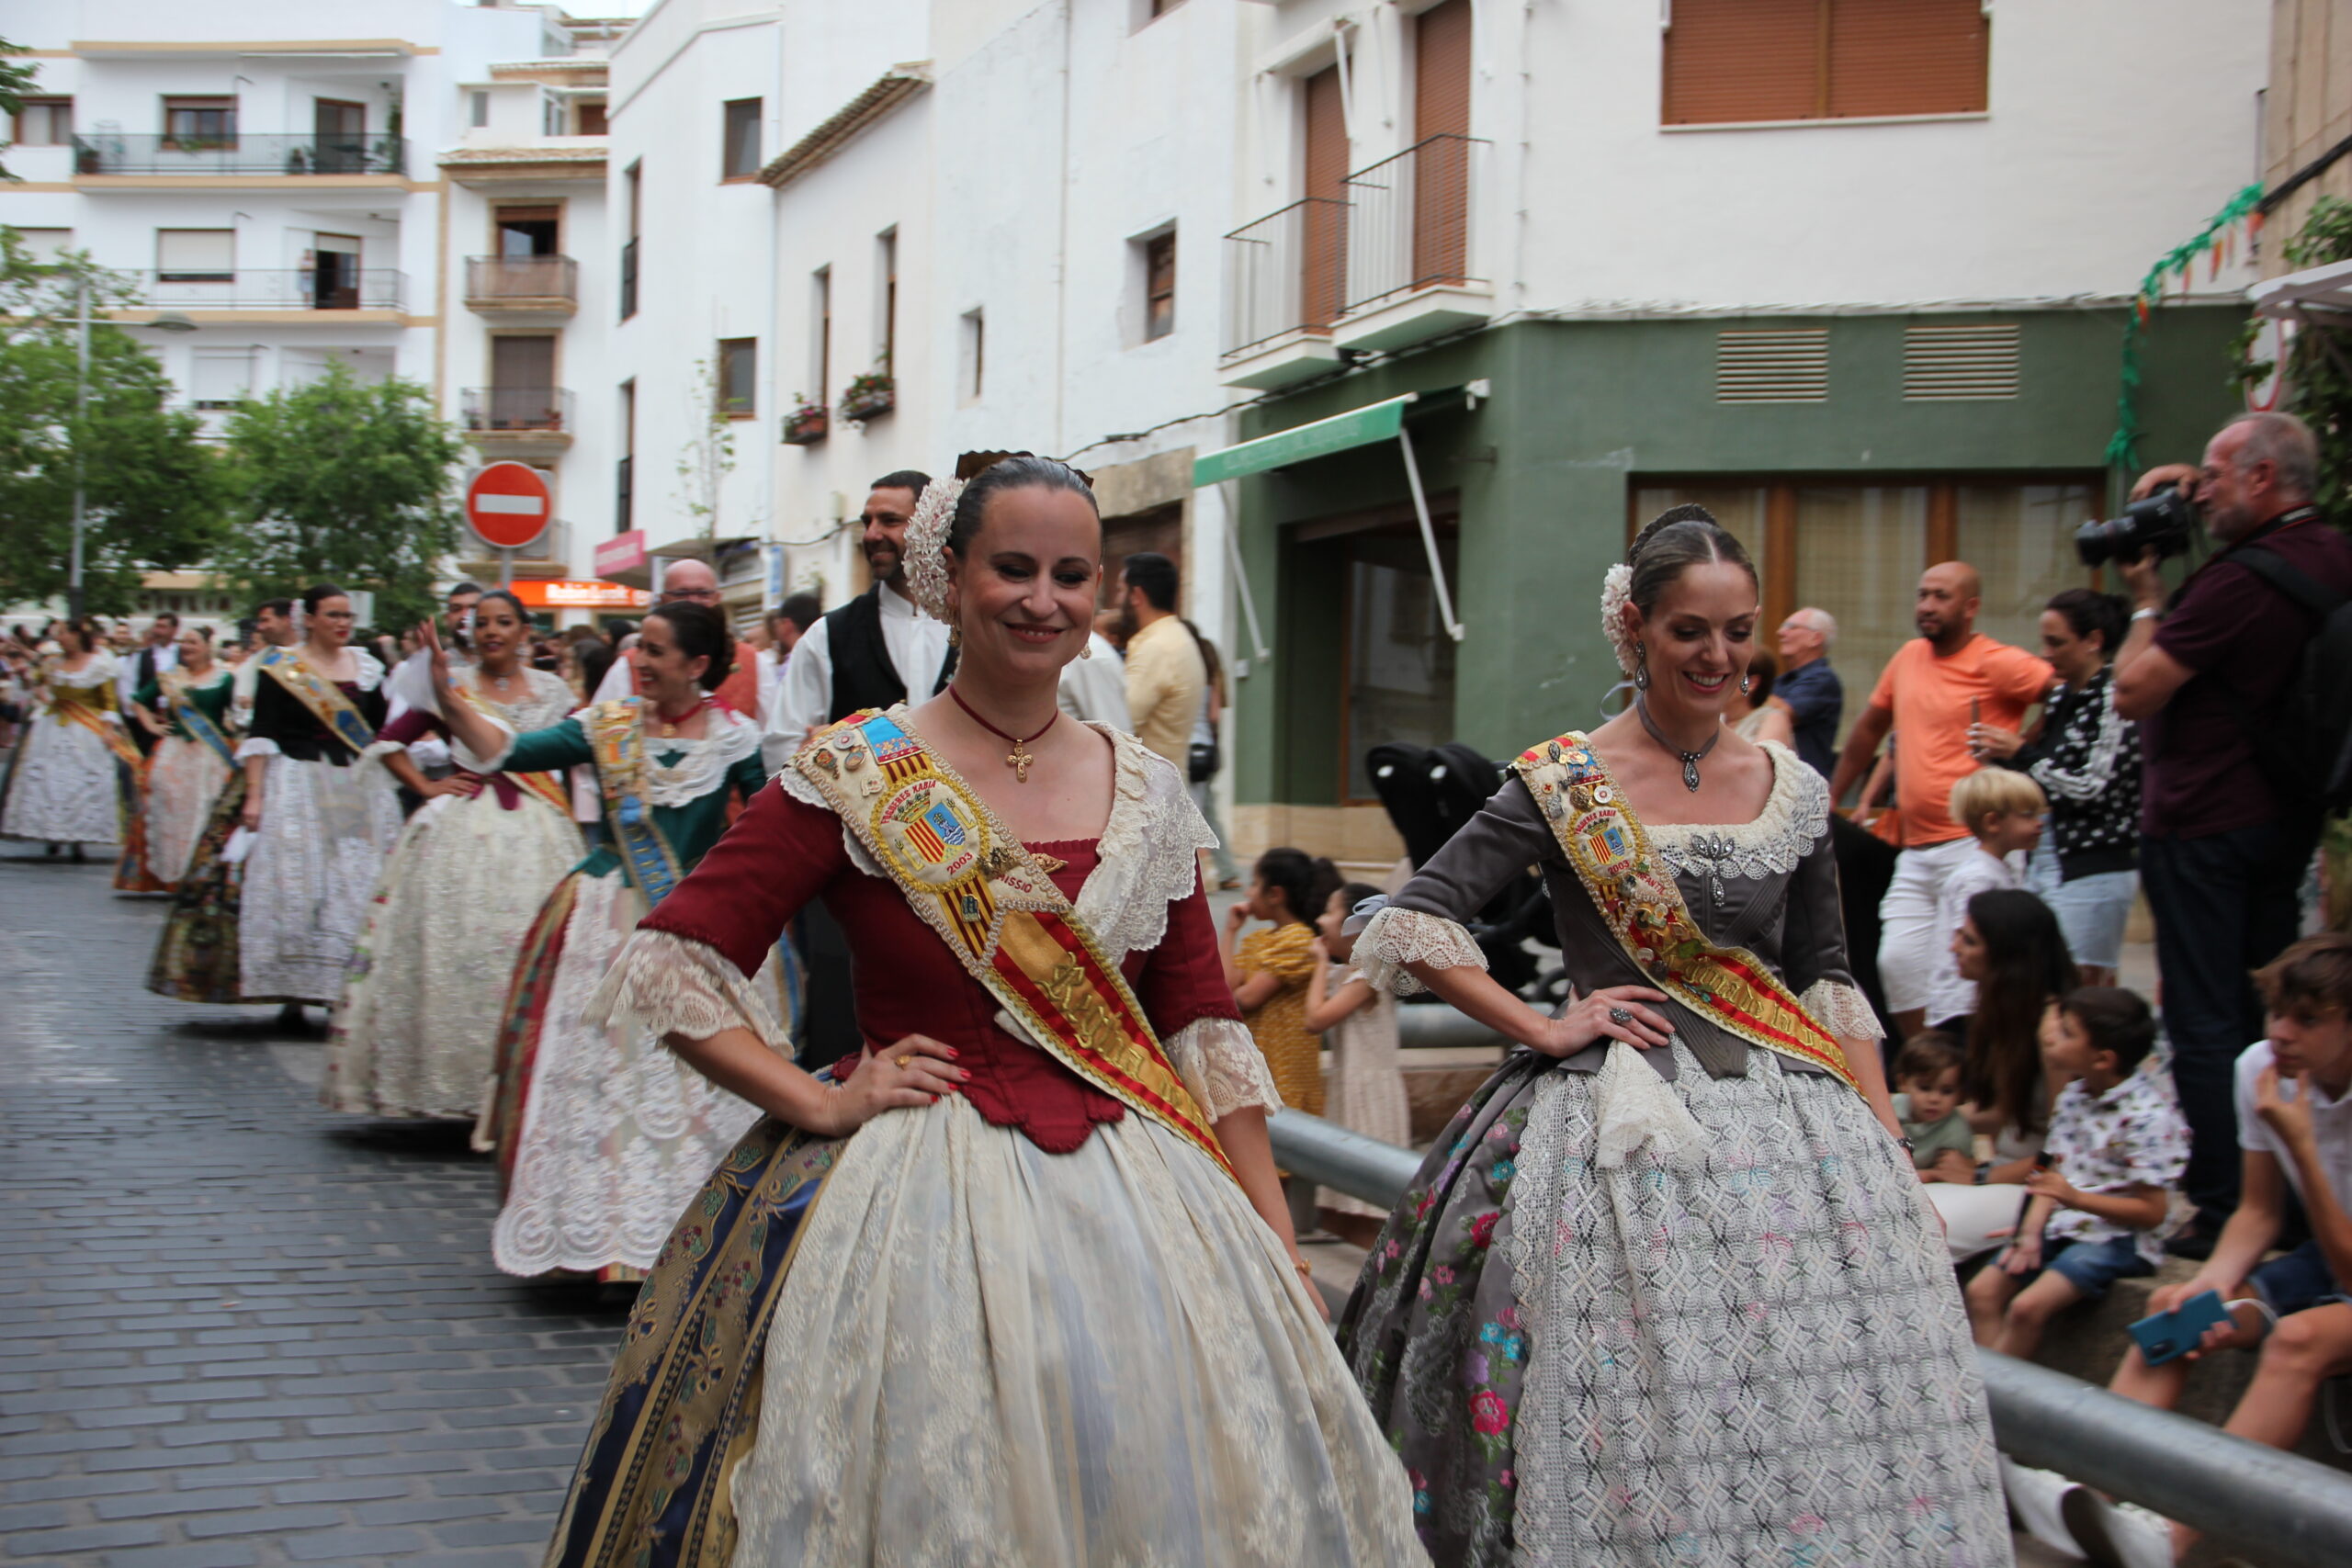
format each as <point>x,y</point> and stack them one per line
<point>2022,538</point>
<point>1746,60</point>
<point>1400,662</point>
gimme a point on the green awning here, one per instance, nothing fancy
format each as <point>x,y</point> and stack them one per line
<point>1357,427</point>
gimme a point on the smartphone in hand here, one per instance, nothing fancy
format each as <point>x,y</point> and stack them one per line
<point>2166,1335</point>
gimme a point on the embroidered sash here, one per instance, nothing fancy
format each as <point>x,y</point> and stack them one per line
<point>549,787</point>
<point>617,735</point>
<point>974,884</point>
<point>1640,902</point>
<point>198,724</point>
<point>321,696</point>
<point>74,704</point>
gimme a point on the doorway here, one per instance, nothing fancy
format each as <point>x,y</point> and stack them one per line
<point>522,384</point>
<point>334,272</point>
<point>339,132</point>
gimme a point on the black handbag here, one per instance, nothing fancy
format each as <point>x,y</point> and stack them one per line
<point>1202,762</point>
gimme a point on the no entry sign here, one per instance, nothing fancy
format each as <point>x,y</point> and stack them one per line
<point>507,505</point>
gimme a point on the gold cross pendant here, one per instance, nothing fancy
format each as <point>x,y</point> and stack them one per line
<point>1018,760</point>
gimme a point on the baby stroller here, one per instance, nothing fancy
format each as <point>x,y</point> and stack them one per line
<point>1430,792</point>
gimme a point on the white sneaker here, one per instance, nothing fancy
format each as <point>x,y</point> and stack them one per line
<point>2038,1498</point>
<point>2118,1535</point>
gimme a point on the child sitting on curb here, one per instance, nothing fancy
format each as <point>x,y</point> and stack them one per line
<point>1944,1145</point>
<point>2294,1104</point>
<point>2116,1144</point>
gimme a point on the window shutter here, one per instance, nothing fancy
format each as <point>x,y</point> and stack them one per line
<point>1895,57</point>
<point>1742,60</point>
<point>190,255</point>
<point>220,380</point>
<point>1442,71</point>
<point>1323,248</point>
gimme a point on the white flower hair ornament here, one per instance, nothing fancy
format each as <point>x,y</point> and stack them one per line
<point>1616,587</point>
<point>923,555</point>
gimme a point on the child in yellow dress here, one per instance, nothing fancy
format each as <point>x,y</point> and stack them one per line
<point>1269,970</point>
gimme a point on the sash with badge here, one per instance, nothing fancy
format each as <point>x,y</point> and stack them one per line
<point>321,696</point>
<point>972,882</point>
<point>616,737</point>
<point>1642,905</point>
<point>193,720</point>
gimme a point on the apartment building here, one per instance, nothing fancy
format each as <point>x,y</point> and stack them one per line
<point>1856,276</point>
<point>389,185</point>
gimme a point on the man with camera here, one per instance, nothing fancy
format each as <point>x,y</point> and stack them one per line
<point>2226,833</point>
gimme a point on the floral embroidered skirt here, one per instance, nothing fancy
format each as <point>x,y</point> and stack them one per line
<point>1762,1359</point>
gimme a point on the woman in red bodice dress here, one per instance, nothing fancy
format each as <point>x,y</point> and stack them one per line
<point>1019,1285</point>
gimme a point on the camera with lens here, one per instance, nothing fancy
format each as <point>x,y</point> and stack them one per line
<point>2163,521</point>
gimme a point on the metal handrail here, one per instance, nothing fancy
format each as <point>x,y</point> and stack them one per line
<point>238,153</point>
<point>1287,273</point>
<point>516,410</point>
<point>496,279</point>
<point>2288,1511</point>
<point>1411,219</point>
<point>278,288</point>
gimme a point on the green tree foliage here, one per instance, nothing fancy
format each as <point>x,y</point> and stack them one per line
<point>14,82</point>
<point>2319,361</point>
<point>152,488</point>
<point>343,482</point>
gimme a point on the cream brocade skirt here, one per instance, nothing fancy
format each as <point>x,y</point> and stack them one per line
<point>184,778</point>
<point>416,1031</point>
<point>984,1353</point>
<point>65,790</point>
<point>312,869</point>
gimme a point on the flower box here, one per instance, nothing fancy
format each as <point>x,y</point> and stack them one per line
<point>806,425</point>
<point>869,397</point>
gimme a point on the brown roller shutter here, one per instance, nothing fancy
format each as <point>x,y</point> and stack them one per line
<point>1889,57</point>
<point>1442,109</point>
<point>1442,71</point>
<point>1742,60</point>
<point>1323,227</point>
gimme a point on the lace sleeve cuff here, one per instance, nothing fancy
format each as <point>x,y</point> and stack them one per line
<point>1398,937</point>
<point>258,746</point>
<point>466,757</point>
<point>1842,1009</point>
<point>1219,1061</point>
<point>670,985</point>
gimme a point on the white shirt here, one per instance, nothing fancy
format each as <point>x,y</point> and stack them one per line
<point>126,683</point>
<point>768,664</point>
<point>2331,1124</point>
<point>1095,688</point>
<point>804,697</point>
<point>1948,996</point>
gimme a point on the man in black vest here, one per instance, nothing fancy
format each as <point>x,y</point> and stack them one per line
<point>158,653</point>
<point>874,650</point>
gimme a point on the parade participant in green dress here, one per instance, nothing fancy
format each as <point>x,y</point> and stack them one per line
<point>603,1134</point>
<point>186,709</point>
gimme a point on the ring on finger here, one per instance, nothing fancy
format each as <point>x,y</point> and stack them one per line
<point>1619,1017</point>
<point>902,1061</point>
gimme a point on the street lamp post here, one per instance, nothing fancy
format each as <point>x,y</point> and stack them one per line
<point>164,322</point>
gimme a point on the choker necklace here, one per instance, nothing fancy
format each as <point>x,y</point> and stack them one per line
<point>1691,759</point>
<point>1019,757</point>
<point>670,725</point>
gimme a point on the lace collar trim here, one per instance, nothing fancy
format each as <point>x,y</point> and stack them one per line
<point>696,766</point>
<point>101,669</point>
<point>1795,818</point>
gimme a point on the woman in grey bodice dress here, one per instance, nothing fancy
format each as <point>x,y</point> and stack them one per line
<point>1667,1291</point>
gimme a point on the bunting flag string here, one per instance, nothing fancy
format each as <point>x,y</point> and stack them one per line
<point>2217,241</point>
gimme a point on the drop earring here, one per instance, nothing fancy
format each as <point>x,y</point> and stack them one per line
<point>1641,671</point>
<point>1747,685</point>
<point>1086,649</point>
<point>955,637</point>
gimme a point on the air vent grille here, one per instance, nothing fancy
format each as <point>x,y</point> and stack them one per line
<point>1948,365</point>
<point>1789,366</point>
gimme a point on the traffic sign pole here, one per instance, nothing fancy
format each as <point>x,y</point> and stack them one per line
<point>506,569</point>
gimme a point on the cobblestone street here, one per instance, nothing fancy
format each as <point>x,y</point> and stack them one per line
<point>238,1329</point>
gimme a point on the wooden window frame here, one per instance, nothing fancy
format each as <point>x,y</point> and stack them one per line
<point>728,348</point>
<point>729,174</point>
<point>49,104</point>
<point>1157,248</point>
<point>200,103</point>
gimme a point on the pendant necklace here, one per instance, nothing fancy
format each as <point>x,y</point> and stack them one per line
<point>1019,757</point>
<point>670,725</point>
<point>1691,759</point>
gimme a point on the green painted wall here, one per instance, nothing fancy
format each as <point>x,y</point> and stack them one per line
<point>1542,474</point>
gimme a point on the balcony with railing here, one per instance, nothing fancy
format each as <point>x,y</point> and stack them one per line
<point>1285,284</point>
<point>1411,227</point>
<point>238,155</point>
<point>511,418</point>
<point>535,286</point>
<point>287,288</point>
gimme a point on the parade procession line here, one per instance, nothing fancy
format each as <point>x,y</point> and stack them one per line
<point>237,1330</point>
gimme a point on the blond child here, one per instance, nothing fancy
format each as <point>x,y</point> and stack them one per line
<point>2002,811</point>
<point>1358,1022</point>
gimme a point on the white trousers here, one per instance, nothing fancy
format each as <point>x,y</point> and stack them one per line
<point>1908,937</point>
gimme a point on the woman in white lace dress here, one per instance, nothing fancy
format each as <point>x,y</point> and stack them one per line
<point>1018,1286</point>
<point>65,785</point>
<point>603,1135</point>
<point>1668,1291</point>
<point>416,1031</point>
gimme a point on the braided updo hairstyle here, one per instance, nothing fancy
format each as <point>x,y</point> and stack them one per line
<point>1677,538</point>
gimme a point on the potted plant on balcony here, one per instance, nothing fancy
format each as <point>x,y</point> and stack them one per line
<point>804,424</point>
<point>870,396</point>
